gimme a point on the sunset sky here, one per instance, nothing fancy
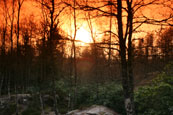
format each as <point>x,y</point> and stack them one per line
<point>99,24</point>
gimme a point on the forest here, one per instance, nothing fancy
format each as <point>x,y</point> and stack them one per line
<point>62,55</point>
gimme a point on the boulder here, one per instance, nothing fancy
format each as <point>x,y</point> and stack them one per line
<point>93,110</point>
<point>4,102</point>
<point>23,98</point>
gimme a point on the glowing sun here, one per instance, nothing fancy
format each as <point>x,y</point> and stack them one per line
<point>84,36</point>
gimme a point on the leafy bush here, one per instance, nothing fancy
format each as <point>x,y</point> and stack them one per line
<point>33,107</point>
<point>8,110</point>
<point>31,111</point>
<point>156,99</point>
<point>107,94</point>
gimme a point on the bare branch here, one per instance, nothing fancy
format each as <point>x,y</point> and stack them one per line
<point>108,48</point>
<point>60,12</point>
<point>141,4</point>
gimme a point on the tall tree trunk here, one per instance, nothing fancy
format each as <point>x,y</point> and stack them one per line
<point>95,53</point>
<point>55,99</point>
<point>16,100</point>
<point>52,11</point>
<point>18,22</point>
<point>4,27</point>
<point>110,41</point>
<point>52,32</point>
<point>9,85</point>
<point>2,80</point>
<point>74,58</point>
<point>130,58</point>
<point>71,103</point>
<point>3,40</point>
<point>41,103</point>
<point>126,63</point>
<point>11,31</point>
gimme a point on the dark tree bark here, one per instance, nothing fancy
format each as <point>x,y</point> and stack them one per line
<point>74,57</point>
<point>110,42</point>
<point>126,61</point>
<point>4,29</point>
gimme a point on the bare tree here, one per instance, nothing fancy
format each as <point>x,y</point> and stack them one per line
<point>5,25</point>
<point>165,43</point>
<point>11,17</point>
<point>110,41</point>
<point>129,19</point>
<point>51,11</point>
<point>20,3</point>
<point>74,57</point>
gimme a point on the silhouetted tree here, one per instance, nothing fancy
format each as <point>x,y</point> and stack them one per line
<point>19,3</point>
<point>126,14</point>
<point>165,42</point>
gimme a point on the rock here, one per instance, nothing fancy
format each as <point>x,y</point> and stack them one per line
<point>4,102</point>
<point>73,112</point>
<point>23,98</point>
<point>93,110</point>
<point>50,113</point>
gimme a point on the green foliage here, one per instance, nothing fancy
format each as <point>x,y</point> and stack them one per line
<point>156,99</point>
<point>33,107</point>
<point>8,110</point>
<point>62,86</point>
<point>166,76</point>
<point>108,94</point>
<point>31,111</point>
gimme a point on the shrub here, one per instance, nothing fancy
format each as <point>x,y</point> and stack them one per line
<point>31,111</point>
<point>107,94</point>
<point>156,99</point>
<point>9,110</point>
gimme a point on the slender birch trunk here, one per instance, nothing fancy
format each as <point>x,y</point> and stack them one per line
<point>41,103</point>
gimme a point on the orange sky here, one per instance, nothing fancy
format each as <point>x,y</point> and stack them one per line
<point>99,24</point>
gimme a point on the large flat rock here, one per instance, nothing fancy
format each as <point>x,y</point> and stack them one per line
<point>93,110</point>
